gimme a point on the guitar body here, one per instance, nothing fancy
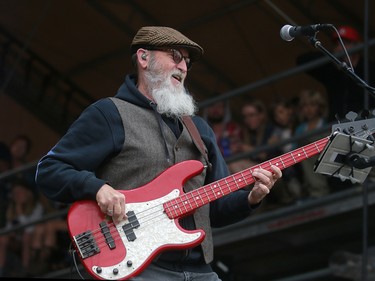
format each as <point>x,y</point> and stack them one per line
<point>110,251</point>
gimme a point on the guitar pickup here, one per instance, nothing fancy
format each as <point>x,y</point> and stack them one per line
<point>86,244</point>
<point>128,228</point>
<point>107,235</point>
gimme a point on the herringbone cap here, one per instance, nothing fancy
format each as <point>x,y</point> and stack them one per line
<point>150,37</point>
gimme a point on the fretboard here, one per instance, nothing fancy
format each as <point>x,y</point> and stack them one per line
<point>188,202</point>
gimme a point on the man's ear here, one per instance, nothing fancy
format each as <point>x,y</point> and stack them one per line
<point>142,56</point>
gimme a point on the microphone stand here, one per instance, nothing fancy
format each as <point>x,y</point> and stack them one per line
<point>347,70</point>
<point>342,65</point>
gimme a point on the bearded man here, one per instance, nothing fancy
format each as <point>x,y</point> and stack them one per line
<point>125,142</point>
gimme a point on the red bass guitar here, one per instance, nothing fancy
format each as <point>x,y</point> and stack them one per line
<point>123,250</point>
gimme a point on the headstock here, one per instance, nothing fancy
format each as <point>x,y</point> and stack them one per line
<point>360,126</point>
<point>349,139</point>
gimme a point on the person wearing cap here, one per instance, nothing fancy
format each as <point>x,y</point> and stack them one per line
<point>125,141</point>
<point>344,94</point>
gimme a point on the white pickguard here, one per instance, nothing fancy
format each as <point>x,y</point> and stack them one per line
<point>155,230</point>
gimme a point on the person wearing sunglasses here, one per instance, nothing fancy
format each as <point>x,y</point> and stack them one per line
<point>126,141</point>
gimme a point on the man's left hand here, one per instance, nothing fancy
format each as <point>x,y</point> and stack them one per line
<point>265,180</point>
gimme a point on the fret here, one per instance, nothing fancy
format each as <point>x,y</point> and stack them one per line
<point>188,200</point>
<point>275,164</point>
<point>175,208</point>
<point>213,190</point>
<point>197,197</point>
<point>305,153</point>
<point>236,181</point>
<point>293,157</point>
<point>228,185</point>
<point>298,156</point>
<point>244,178</point>
<point>282,162</point>
<point>289,159</point>
<point>251,172</point>
<point>220,190</point>
<point>194,198</point>
<point>207,196</point>
<point>317,148</point>
<point>167,207</point>
<point>183,202</point>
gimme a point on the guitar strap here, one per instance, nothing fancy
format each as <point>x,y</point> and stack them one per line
<point>196,138</point>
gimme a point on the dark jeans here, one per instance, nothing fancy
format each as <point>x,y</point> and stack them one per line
<point>157,273</point>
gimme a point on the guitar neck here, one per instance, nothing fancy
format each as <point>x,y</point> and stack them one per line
<point>188,202</point>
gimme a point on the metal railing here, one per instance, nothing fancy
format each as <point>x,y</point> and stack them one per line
<point>39,87</point>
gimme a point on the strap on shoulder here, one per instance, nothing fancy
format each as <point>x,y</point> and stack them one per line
<point>187,120</point>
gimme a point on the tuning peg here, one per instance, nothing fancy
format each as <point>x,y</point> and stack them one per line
<point>358,144</point>
<point>353,180</point>
<point>351,115</point>
<point>342,178</point>
<point>365,114</point>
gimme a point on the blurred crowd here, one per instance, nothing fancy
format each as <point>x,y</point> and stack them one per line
<point>273,127</point>
<point>36,248</point>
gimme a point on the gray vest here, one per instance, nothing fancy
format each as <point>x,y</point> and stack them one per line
<point>143,157</point>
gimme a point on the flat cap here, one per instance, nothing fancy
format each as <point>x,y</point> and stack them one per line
<point>150,37</point>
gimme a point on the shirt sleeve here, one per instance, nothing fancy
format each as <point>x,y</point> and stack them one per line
<point>67,172</point>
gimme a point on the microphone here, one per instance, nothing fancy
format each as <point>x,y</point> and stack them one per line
<point>288,32</point>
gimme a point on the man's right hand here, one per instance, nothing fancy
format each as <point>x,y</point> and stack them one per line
<point>111,202</point>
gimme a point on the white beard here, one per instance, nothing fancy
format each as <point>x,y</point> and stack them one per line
<point>170,100</point>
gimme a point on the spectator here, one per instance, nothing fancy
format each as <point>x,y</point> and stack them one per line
<point>229,135</point>
<point>313,114</point>
<point>218,116</point>
<point>344,94</point>
<point>238,147</point>
<point>285,117</point>
<point>50,240</point>
<point>20,148</point>
<point>23,208</point>
<point>258,130</point>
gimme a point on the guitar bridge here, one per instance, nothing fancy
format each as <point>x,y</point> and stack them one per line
<point>86,244</point>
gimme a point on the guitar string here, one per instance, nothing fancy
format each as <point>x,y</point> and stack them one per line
<point>266,165</point>
<point>288,161</point>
